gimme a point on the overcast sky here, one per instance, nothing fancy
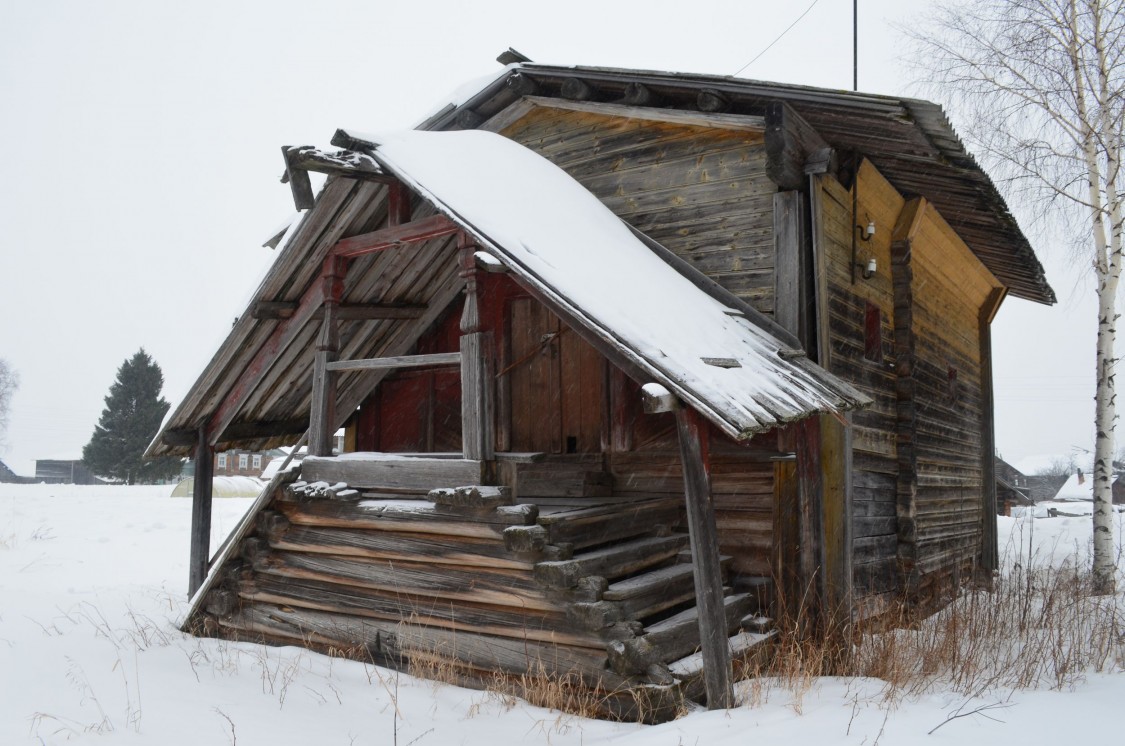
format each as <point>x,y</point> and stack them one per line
<point>141,161</point>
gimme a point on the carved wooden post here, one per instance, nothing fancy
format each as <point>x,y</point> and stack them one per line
<point>200,514</point>
<point>476,367</point>
<point>704,537</point>
<point>322,415</point>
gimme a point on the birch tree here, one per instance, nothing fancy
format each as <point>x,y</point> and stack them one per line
<point>1041,85</point>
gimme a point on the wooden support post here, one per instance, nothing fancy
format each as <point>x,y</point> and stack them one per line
<point>477,441</point>
<point>695,455</point>
<point>792,278</point>
<point>810,603</point>
<point>201,514</point>
<point>990,551</point>
<point>322,414</point>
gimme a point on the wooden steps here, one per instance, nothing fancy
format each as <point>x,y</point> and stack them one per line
<point>612,561</point>
<point>598,585</point>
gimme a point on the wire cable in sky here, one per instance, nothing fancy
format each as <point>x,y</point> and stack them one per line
<point>779,36</point>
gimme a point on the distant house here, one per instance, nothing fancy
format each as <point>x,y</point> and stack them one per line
<point>1079,487</point>
<point>64,471</point>
<point>1045,486</point>
<point>1012,488</point>
<point>7,476</point>
<point>242,463</point>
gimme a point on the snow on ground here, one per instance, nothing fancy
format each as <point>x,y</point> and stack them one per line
<point>92,584</point>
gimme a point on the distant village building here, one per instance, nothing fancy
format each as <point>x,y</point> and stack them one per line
<point>64,471</point>
<point>7,476</point>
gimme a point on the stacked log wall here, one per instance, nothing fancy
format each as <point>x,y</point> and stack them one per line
<point>950,286</point>
<point>849,296</point>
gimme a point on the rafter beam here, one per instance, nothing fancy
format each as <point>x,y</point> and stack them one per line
<point>415,231</point>
<point>282,336</point>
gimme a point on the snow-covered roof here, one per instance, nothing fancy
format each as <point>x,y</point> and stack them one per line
<point>1075,490</point>
<point>556,236</point>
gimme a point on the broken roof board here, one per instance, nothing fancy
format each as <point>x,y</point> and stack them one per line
<point>556,235</point>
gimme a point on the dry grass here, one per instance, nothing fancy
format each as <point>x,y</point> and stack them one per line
<point>1036,628</point>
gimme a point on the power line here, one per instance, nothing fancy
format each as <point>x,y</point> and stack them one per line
<point>775,41</point>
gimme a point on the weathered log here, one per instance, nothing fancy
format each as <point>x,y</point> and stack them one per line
<point>712,101</point>
<point>610,562</point>
<point>388,471</point>
<point>497,586</point>
<point>499,621</point>
<point>414,516</point>
<point>453,549</point>
<point>391,640</point>
<point>577,90</point>
<point>521,85</point>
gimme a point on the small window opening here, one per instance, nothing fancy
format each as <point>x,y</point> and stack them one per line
<point>953,388</point>
<point>873,333</point>
<point>572,444</point>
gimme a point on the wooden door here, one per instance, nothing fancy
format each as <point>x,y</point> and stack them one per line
<point>556,383</point>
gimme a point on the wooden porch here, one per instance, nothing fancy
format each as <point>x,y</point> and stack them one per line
<point>354,558</point>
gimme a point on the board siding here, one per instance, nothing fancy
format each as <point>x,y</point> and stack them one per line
<point>700,191</point>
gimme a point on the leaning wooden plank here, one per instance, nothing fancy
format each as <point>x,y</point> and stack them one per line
<point>391,638</point>
<point>501,621</point>
<point>452,549</point>
<point>388,470</point>
<point>499,587</point>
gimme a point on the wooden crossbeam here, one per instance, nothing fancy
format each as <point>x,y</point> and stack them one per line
<point>282,336</point>
<point>402,361</point>
<point>345,312</point>
<point>434,226</point>
<point>239,431</point>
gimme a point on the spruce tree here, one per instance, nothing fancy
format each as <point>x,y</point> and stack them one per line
<point>133,412</point>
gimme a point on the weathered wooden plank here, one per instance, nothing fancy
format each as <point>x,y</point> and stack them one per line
<point>200,514</point>
<point>391,237</point>
<point>462,551</point>
<point>373,470</point>
<point>398,362</point>
<point>610,562</point>
<point>495,586</point>
<point>693,437</point>
<point>792,278</point>
<point>790,140</point>
<point>401,606</point>
<point>477,428</point>
<point>392,641</point>
<point>414,516</point>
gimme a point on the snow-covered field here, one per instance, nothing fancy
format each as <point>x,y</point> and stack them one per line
<point>93,582</point>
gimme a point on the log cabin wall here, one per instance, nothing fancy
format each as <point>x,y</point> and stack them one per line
<point>910,337</point>
<point>558,396</point>
<point>700,191</point>
<point>859,327</point>
<point>949,287</point>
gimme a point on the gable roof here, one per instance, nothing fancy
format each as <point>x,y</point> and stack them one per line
<point>555,237</point>
<point>910,141</point>
<point>559,238</point>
